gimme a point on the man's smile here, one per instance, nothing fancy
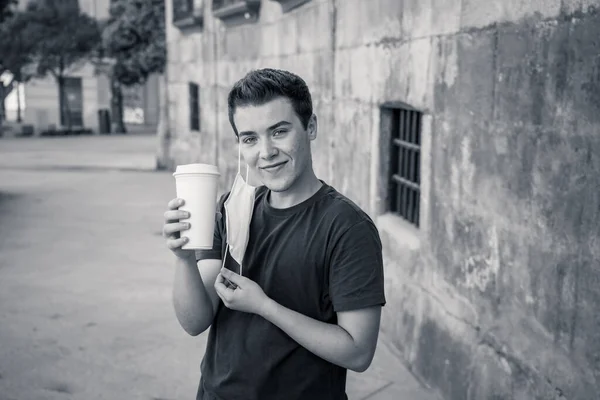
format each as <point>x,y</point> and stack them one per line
<point>274,167</point>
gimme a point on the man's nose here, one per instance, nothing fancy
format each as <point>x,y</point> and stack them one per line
<point>267,150</point>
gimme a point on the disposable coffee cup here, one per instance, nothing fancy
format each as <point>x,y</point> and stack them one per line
<point>197,184</point>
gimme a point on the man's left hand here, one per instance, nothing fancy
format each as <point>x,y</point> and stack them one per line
<point>248,296</point>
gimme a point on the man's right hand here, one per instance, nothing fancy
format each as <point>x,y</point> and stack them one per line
<point>173,227</point>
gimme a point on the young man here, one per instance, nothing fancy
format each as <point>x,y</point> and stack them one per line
<point>307,305</point>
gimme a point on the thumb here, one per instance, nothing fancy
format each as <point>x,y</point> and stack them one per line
<point>232,276</point>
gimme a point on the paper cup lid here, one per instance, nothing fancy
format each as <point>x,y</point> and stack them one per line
<point>196,169</point>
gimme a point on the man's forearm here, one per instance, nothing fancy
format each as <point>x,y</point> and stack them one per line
<point>192,304</point>
<point>328,341</point>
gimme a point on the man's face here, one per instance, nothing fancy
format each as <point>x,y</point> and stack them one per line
<point>274,143</point>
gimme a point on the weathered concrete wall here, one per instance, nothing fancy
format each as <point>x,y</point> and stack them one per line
<point>496,295</point>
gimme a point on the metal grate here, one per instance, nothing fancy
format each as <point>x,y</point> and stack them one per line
<point>194,106</point>
<point>405,165</point>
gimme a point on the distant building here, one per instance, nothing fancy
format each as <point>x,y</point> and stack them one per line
<point>469,130</point>
<point>86,91</point>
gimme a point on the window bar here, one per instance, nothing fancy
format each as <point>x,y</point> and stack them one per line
<point>401,143</point>
<point>414,134</point>
<point>418,131</point>
<point>405,163</point>
<point>416,211</point>
<point>418,167</point>
<point>400,125</point>
<point>398,197</point>
<point>406,182</point>
<point>409,205</point>
<point>404,198</point>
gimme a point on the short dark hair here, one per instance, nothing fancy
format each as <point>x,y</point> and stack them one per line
<point>263,85</point>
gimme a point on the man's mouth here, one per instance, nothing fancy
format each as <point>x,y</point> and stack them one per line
<point>274,167</point>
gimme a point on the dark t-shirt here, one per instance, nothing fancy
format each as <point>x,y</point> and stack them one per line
<point>318,257</point>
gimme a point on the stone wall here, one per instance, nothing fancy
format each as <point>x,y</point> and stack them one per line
<point>496,295</point>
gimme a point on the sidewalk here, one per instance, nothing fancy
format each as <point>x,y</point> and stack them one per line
<point>85,280</point>
<point>124,152</point>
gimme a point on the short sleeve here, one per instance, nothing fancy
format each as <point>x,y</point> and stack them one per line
<point>215,252</point>
<point>356,269</point>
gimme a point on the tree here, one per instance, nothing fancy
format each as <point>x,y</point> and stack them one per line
<point>134,38</point>
<point>6,9</point>
<point>6,52</point>
<point>17,49</point>
<point>64,37</point>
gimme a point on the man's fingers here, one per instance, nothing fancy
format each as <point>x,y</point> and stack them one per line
<point>172,230</point>
<point>176,215</point>
<point>175,203</point>
<point>176,243</point>
<point>224,285</point>
<point>232,276</point>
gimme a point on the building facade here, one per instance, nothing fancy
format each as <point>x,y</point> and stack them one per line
<point>86,90</point>
<point>469,132</point>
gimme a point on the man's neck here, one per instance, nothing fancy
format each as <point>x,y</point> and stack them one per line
<point>302,190</point>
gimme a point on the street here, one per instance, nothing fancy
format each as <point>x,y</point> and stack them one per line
<point>85,279</point>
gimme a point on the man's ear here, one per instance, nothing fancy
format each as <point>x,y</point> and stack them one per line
<point>312,127</point>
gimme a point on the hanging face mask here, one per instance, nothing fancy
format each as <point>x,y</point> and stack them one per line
<point>238,211</point>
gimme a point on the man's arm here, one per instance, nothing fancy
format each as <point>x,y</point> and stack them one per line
<point>350,344</point>
<point>194,296</point>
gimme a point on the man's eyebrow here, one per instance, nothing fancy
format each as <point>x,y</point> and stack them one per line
<point>277,125</point>
<point>274,126</point>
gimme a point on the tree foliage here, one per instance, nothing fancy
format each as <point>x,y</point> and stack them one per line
<point>65,36</point>
<point>6,9</point>
<point>134,38</point>
<point>16,50</point>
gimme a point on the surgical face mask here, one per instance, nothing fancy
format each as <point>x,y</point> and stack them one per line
<point>238,210</point>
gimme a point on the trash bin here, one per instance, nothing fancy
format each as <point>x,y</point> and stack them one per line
<point>104,121</point>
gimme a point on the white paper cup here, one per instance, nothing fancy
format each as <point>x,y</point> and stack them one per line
<point>197,184</point>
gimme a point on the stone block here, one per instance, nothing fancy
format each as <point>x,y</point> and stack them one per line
<point>417,17</point>
<point>582,88</point>
<point>483,13</point>
<point>381,70</point>
<point>402,73</point>
<point>420,83</point>
<point>445,17</point>
<point>383,21</point>
<point>320,146</point>
<point>323,75</point>
<point>361,64</point>
<point>580,6</point>
<point>342,73</point>
<point>224,73</point>
<point>531,73</point>
<point>270,39</point>
<point>475,77</point>
<point>350,150</point>
<point>347,28</point>
<point>314,23</point>
<point>287,30</point>
<point>491,378</point>
<point>443,360</point>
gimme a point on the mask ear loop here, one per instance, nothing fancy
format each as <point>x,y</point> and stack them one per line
<point>239,155</point>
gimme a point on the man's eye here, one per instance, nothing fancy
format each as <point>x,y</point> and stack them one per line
<point>248,140</point>
<point>279,132</point>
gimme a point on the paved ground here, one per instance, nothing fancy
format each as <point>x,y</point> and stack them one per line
<point>85,279</point>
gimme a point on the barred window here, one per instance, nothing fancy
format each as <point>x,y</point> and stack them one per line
<point>405,166</point>
<point>194,98</point>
